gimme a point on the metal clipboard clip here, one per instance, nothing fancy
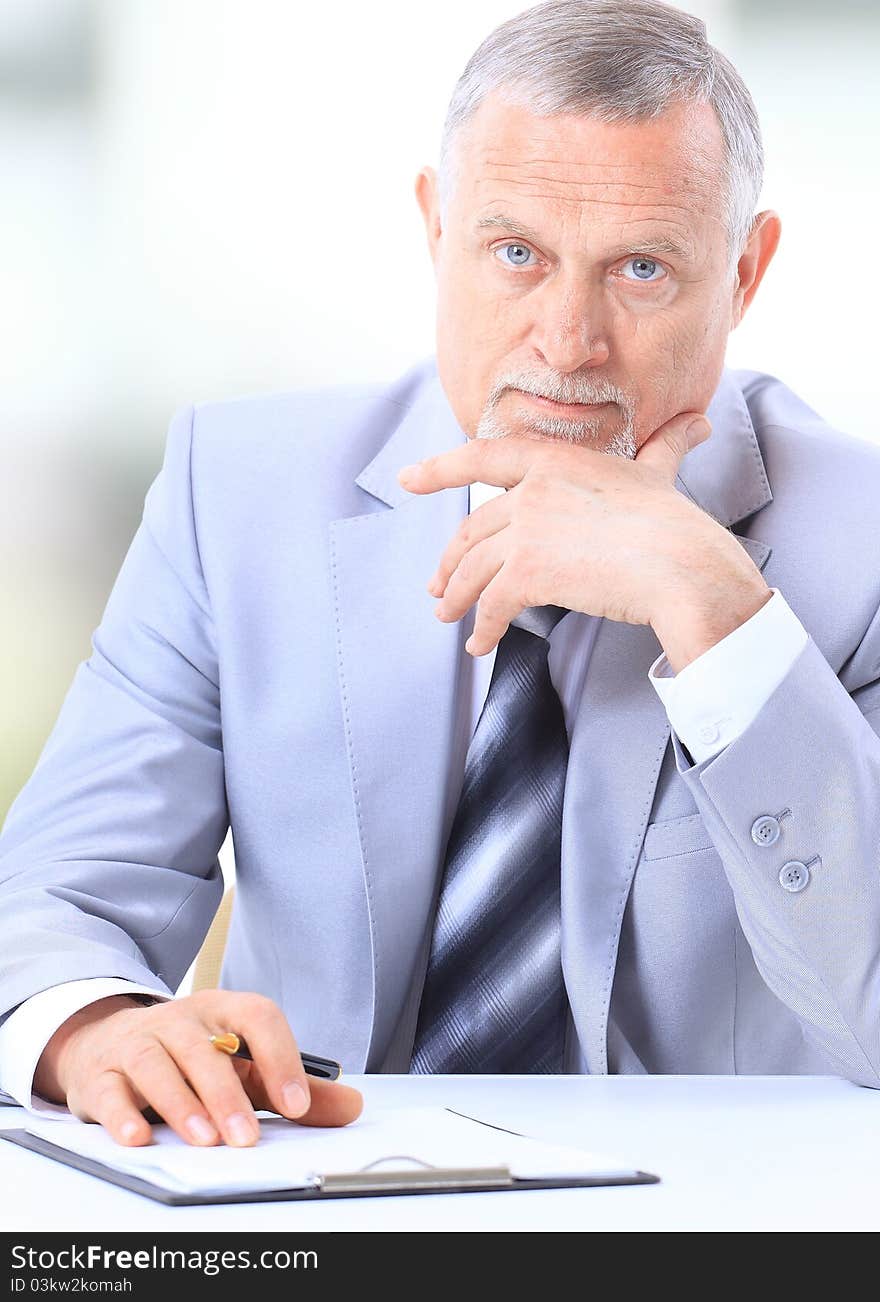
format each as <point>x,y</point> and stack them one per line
<point>425,1176</point>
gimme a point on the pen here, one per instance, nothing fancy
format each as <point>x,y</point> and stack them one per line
<point>235,1047</point>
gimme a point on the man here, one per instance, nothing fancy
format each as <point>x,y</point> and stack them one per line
<point>614,805</point>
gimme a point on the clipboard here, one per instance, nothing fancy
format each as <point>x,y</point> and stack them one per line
<point>366,1183</point>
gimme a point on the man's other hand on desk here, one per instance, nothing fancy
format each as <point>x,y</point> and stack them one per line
<point>115,1058</point>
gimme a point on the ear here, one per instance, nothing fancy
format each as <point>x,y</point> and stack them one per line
<point>754,261</point>
<point>428,199</point>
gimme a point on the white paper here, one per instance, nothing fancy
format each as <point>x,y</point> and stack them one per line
<point>290,1156</point>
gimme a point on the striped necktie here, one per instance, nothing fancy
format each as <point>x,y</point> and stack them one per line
<point>494,997</point>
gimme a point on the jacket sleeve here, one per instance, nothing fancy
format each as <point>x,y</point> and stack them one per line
<point>810,759</point>
<point>109,854</point>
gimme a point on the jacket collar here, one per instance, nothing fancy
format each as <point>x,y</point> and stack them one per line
<point>725,475</point>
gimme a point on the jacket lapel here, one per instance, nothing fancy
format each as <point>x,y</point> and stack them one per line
<point>399,735</point>
<point>621,734</point>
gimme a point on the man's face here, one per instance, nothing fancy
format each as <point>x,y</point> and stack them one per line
<point>585,308</point>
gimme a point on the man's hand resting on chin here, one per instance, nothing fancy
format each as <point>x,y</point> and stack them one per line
<point>593,532</point>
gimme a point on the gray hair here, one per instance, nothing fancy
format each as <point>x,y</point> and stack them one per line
<point>617,61</point>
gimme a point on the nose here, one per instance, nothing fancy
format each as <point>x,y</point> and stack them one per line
<point>568,333</point>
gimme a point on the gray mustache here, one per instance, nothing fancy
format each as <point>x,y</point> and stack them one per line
<point>585,398</point>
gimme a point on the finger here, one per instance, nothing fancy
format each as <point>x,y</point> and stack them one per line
<point>332,1102</point>
<point>486,520</point>
<point>252,1084</point>
<point>153,1071</point>
<point>221,1088</point>
<point>272,1045</point>
<point>476,569</point>
<point>495,609</point>
<point>502,462</point>
<point>669,444</point>
<point>111,1101</point>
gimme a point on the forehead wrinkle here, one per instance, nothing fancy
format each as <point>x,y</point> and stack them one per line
<point>649,179</point>
<point>650,171</point>
<point>627,202</point>
<point>676,159</point>
<point>616,164</point>
<point>630,214</point>
<point>676,218</point>
<point>628,197</point>
<point>682,177</point>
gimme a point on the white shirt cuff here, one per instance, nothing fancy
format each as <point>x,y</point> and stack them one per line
<point>713,700</point>
<point>26,1032</point>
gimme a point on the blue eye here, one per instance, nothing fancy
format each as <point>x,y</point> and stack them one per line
<point>643,264</point>
<point>520,248</point>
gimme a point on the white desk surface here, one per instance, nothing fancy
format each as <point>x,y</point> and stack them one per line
<point>733,1153</point>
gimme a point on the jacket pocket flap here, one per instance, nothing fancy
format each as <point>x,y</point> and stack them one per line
<point>676,836</point>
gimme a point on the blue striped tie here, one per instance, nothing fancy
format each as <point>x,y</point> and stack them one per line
<point>494,997</point>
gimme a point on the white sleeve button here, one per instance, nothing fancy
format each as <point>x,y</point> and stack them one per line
<point>765,830</point>
<point>794,875</point>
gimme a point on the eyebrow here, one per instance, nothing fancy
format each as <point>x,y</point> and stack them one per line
<point>644,244</point>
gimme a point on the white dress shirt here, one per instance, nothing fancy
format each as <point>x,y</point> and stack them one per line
<point>709,704</point>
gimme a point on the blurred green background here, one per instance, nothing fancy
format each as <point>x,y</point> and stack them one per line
<point>200,200</point>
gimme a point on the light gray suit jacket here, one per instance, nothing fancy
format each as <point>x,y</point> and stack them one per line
<point>268,659</point>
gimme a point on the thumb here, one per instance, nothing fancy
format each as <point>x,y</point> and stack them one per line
<point>670,443</point>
